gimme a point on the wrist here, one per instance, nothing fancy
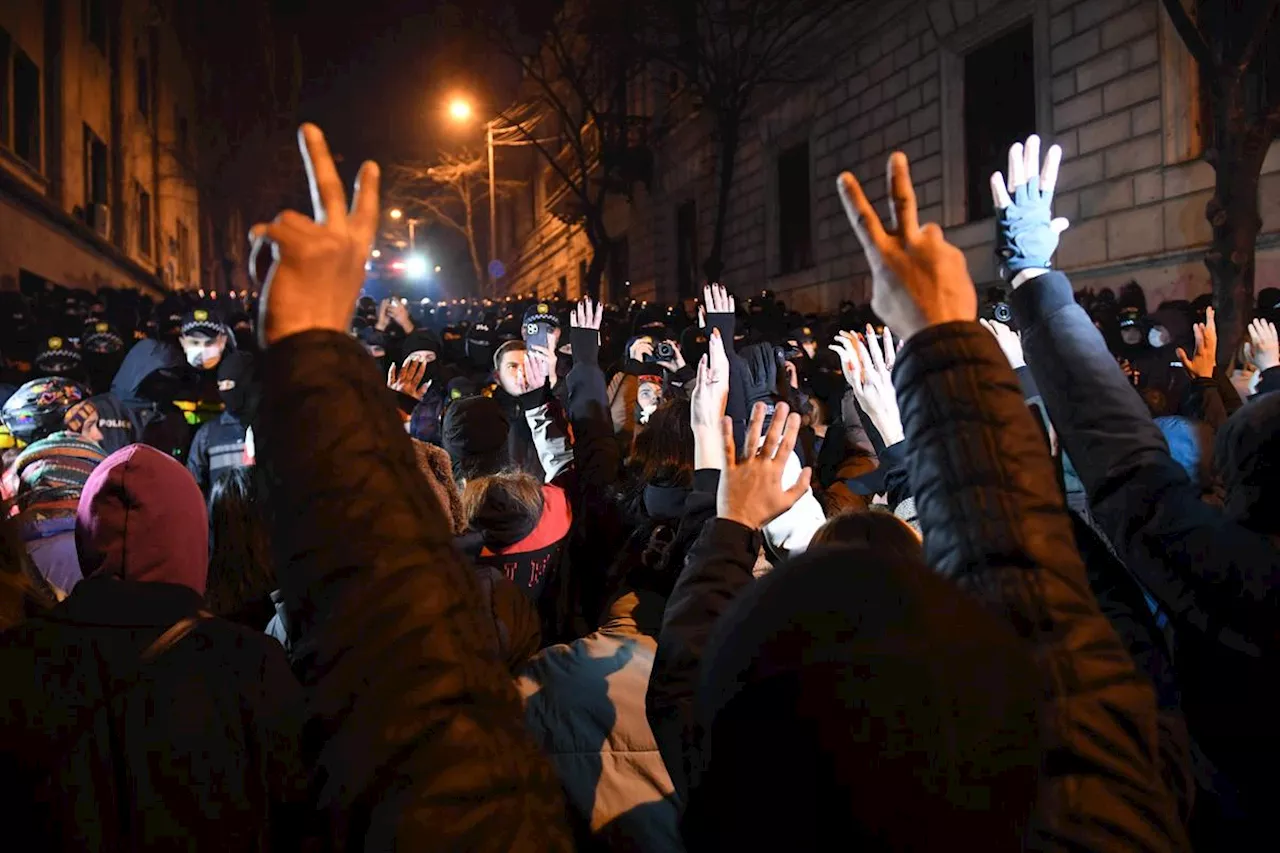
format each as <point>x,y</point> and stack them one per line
<point>738,518</point>
<point>890,430</point>
<point>706,456</point>
<point>1026,275</point>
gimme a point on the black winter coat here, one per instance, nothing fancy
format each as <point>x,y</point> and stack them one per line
<point>1217,580</point>
<point>196,749</point>
<point>417,732</point>
<point>993,519</point>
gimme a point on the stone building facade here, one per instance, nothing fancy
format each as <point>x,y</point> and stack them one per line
<point>97,147</point>
<point>1109,80</point>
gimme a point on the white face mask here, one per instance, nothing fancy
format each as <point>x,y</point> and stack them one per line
<point>202,353</point>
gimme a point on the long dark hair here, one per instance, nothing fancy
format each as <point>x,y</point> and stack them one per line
<point>661,456</point>
<point>241,571</point>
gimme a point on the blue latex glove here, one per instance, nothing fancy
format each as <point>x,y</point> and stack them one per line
<point>1026,232</point>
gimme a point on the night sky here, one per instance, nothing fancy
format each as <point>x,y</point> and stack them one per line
<point>377,74</point>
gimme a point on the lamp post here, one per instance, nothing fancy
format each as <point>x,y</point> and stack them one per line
<point>460,111</point>
<point>397,214</point>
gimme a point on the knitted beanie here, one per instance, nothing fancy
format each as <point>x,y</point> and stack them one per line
<point>53,470</point>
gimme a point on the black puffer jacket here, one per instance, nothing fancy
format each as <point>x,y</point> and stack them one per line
<point>417,731</point>
<point>1214,572</point>
<point>994,521</point>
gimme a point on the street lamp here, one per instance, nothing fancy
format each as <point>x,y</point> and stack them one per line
<point>460,111</point>
<point>395,213</point>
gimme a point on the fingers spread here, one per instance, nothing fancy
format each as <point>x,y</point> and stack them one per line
<point>754,426</point>
<point>1000,192</point>
<point>1017,168</point>
<point>730,449</point>
<point>776,428</point>
<point>787,442</point>
<point>1049,174</point>
<point>1031,160</point>
<point>800,486</point>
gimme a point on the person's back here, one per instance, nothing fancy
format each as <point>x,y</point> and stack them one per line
<point>129,717</point>
<point>584,705</point>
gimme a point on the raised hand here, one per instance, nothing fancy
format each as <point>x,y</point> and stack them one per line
<point>400,314</point>
<point>1264,347</point>
<point>318,261</point>
<point>1026,232</point>
<point>384,315</point>
<point>1206,358</point>
<point>750,490</point>
<point>717,299</point>
<point>584,331</point>
<point>869,374</point>
<point>408,380</point>
<point>587,314</point>
<point>918,279</point>
<point>1009,340</point>
<point>712,389</point>
<point>538,363</point>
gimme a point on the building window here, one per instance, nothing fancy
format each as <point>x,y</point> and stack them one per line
<point>184,253</point>
<point>95,23</point>
<point>26,109</point>
<point>795,214</point>
<point>686,249</point>
<point>999,105</point>
<point>95,170</point>
<point>144,87</point>
<point>144,221</point>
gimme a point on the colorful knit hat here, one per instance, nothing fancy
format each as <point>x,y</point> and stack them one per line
<point>52,471</point>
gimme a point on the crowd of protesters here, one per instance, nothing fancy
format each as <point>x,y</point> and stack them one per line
<point>303,570</point>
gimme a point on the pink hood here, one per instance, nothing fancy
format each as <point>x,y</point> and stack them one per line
<point>142,518</point>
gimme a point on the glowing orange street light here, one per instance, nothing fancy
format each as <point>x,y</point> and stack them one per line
<point>459,109</point>
<point>395,213</point>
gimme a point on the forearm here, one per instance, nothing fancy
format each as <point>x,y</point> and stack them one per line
<point>399,680</point>
<point>993,520</point>
<point>1101,420</point>
<point>595,452</point>
<point>551,439</point>
<point>717,568</point>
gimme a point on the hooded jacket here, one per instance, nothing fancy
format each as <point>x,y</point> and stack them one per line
<point>584,705</point>
<point>147,397</point>
<point>113,737</point>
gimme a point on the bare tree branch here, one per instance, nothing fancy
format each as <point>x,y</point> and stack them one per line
<point>1256,35</point>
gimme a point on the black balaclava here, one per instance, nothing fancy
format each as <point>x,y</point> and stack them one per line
<point>238,385</point>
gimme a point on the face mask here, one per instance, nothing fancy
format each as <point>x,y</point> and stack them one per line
<point>203,355</point>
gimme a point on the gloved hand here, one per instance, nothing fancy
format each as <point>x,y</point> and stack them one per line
<point>1026,232</point>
